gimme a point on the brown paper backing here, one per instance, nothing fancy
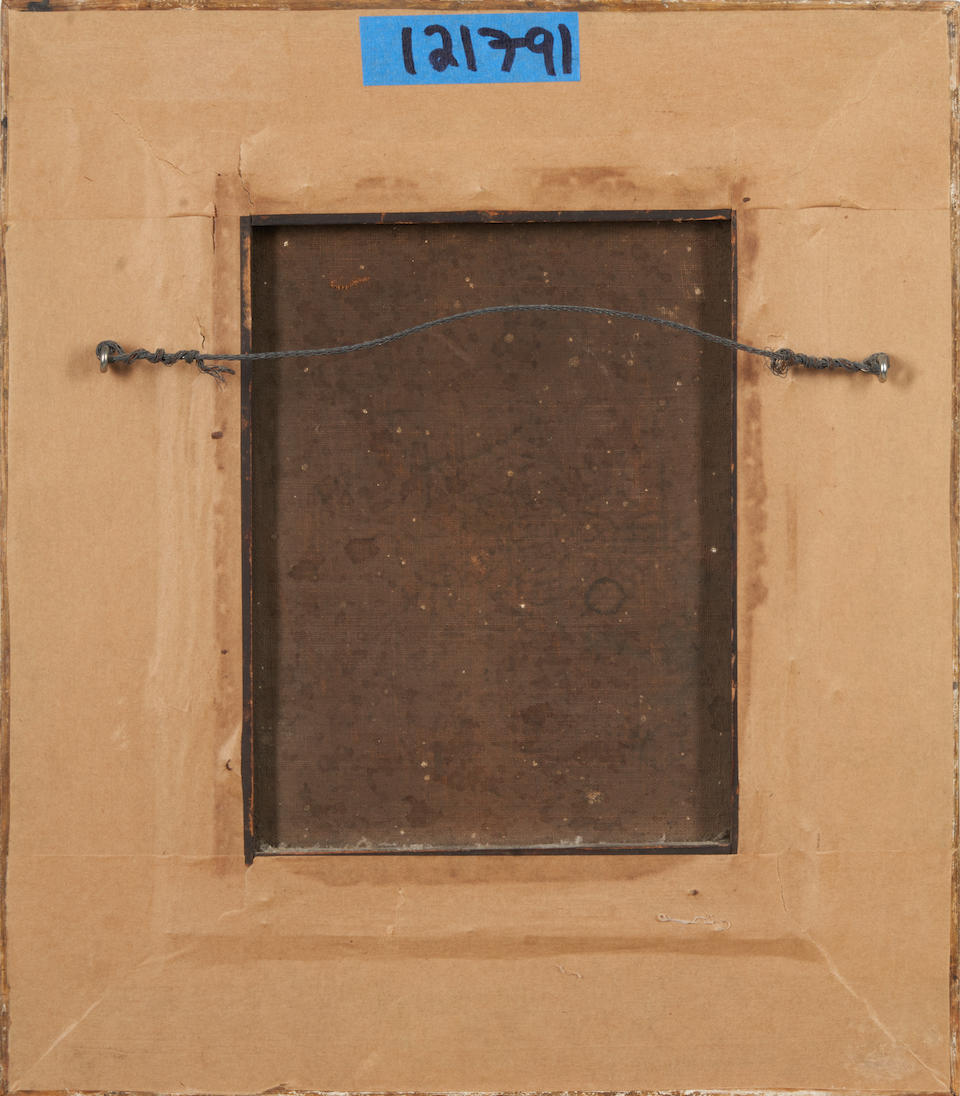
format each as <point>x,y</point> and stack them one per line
<point>141,952</point>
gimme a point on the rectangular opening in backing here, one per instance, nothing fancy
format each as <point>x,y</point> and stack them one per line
<point>490,581</point>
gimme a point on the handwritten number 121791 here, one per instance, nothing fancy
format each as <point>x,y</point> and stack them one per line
<point>444,55</point>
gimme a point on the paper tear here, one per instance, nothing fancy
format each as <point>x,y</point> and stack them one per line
<point>231,744</point>
<point>854,993</point>
<point>783,901</point>
<point>243,182</point>
<point>401,900</point>
<point>67,1031</point>
<point>715,923</point>
<point>860,93</point>
<point>142,137</point>
<point>872,1012</point>
<point>155,959</point>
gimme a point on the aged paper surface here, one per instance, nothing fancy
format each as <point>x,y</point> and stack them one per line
<point>143,954</point>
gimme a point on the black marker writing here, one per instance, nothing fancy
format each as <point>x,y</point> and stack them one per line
<point>566,46</point>
<point>467,39</point>
<point>442,58</point>
<point>499,39</point>
<point>538,40</point>
<point>406,45</point>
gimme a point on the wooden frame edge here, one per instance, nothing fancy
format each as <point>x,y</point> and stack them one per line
<point>951,10</point>
<point>624,6</point>
<point>953,37</point>
<point>4,608</point>
<point>525,1092</point>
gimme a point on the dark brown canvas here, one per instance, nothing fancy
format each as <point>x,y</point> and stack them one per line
<point>492,562</point>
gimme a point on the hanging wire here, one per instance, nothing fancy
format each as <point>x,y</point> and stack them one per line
<point>781,361</point>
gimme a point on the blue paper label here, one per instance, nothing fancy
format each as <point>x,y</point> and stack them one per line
<point>510,48</point>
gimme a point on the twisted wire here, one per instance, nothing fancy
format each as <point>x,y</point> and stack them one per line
<point>781,361</point>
